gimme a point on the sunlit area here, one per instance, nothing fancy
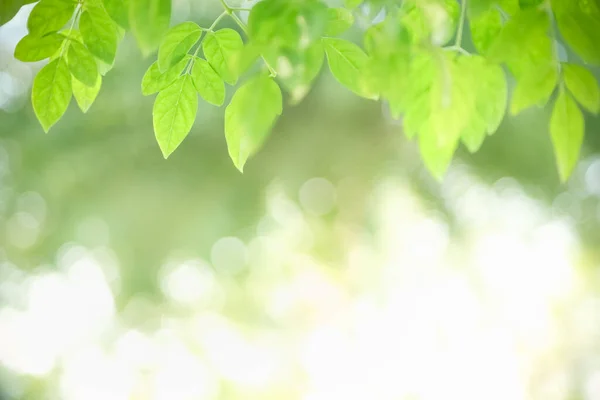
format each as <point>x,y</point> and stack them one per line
<point>335,267</point>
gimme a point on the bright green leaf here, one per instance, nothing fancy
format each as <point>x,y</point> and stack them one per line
<point>346,62</point>
<point>49,16</point>
<point>118,11</point>
<point>250,116</point>
<point>567,129</point>
<point>583,86</point>
<point>578,22</point>
<point>174,113</point>
<point>86,95</point>
<point>155,81</point>
<point>352,3</point>
<point>34,48</point>
<point>99,34</point>
<point>339,20</point>
<point>208,83</point>
<point>485,29</point>
<point>82,64</point>
<point>534,89</point>
<point>51,92</point>
<point>221,49</point>
<point>149,20</point>
<point>177,43</point>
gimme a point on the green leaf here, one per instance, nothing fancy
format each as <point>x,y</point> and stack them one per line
<point>567,129</point>
<point>434,20</point>
<point>250,116</point>
<point>578,22</point>
<point>155,81</point>
<point>221,49</point>
<point>49,16</point>
<point>99,34</point>
<point>86,95</point>
<point>442,105</point>
<point>82,64</point>
<point>118,11</point>
<point>490,100</point>
<point>9,8</point>
<point>524,44</point>
<point>287,24</point>
<point>51,92</point>
<point>149,20</point>
<point>534,88</point>
<point>485,28</point>
<point>583,86</point>
<point>208,83</point>
<point>346,62</point>
<point>174,113</point>
<point>177,43</point>
<point>34,48</point>
<point>352,3</point>
<point>339,20</point>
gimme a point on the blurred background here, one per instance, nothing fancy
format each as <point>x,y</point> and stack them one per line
<point>335,267</point>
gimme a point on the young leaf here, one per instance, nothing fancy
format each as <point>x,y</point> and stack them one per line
<point>49,16</point>
<point>51,92</point>
<point>583,86</point>
<point>118,11</point>
<point>86,95</point>
<point>207,82</point>
<point>221,49</point>
<point>578,23</point>
<point>177,43</point>
<point>534,89</point>
<point>82,64</point>
<point>485,28</point>
<point>490,100</point>
<point>567,128</point>
<point>99,34</point>
<point>174,113</point>
<point>339,20</point>
<point>250,116</point>
<point>35,48</point>
<point>155,81</point>
<point>149,20</point>
<point>524,44</point>
<point>346,62</point>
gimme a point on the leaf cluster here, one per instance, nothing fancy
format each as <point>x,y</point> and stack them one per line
<point>411,56</point>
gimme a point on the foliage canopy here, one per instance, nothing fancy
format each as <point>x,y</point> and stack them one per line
<point>411,56</point>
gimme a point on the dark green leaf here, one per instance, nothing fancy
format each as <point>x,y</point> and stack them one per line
<point>9,8</point>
